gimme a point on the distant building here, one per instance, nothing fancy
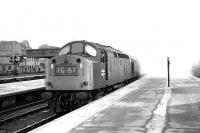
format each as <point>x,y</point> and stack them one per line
<point>30,65</point>
<point>45,46</point>
<point>27,65</point>
<point>47,50</point>
<point>9,48</point>
<point>25,43</point>
<point>6,66</point>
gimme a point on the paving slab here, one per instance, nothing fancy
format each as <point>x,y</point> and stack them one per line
<point>184,108</point>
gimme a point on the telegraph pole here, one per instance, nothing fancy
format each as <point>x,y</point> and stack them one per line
<point>168,72</point>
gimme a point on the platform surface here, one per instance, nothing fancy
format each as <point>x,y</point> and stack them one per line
<point>20,87</point>
<point>144,106</point>
<point>183,112</point>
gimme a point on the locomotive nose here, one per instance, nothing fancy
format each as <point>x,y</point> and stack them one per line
<point>71,72</point>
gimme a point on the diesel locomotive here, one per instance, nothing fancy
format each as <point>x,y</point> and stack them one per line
<point>84,71</point>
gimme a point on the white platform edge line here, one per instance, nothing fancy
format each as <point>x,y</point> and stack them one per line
<point>23,82</point>
<point>157,123</point>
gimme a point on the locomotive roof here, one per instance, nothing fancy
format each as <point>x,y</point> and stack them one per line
<point>97,45</point>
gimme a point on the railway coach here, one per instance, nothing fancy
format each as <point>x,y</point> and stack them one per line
<point>84,71</point>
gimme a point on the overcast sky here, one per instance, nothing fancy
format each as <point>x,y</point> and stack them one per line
<point>149,30</point>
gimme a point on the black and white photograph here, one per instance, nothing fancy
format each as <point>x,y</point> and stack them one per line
<point>100,66</point>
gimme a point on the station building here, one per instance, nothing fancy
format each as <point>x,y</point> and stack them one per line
<point>14,48</point>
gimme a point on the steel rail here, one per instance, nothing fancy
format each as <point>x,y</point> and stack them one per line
<point>23,106</point>
<point>37,124</point>
<point>24,114</point>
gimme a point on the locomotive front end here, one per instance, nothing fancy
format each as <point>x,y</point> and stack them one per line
<point>69,76</point>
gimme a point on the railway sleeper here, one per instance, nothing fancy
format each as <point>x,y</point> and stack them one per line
<point>15,100</point>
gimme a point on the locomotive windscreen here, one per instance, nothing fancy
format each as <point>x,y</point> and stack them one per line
<point>65,50</point>
<point>77,48</point>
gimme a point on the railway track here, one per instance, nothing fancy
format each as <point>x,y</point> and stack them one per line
<point>25,118</point>
<point>22,106</point>
<point>37,124</point>
<point>11,119</point>
<point>16,116</point>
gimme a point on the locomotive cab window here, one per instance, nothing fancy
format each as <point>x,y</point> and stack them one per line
<point>115,54</point>
<point>102,57</point>
<point>77,48</point>
<point>65,50</point>
<point>90,50</point>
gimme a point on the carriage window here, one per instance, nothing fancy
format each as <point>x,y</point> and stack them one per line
<point>90,50</point>
<point>65,50</point>
<point>77,48</point>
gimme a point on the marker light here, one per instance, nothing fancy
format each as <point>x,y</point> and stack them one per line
<point>81,65</point>
<point>85,83</point>
<point>51,66</point>
<point>53,61</point>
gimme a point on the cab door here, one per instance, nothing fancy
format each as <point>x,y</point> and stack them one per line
<point>104,60</point>
<point>106,65</point>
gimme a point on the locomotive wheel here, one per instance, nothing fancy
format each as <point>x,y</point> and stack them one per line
<point>99,95</point>
<point>76,104</point>
<point>90,97</point>
<point>59,105</point>
<point>51,104</point>
<point>71,101</point>
<point>109,89</point>
<point>62,104</point>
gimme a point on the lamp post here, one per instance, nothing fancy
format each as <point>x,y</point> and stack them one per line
<point>25,63</point>
<point>168,72</point>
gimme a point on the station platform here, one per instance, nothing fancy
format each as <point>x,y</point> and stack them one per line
<point>129,109</point>
<point>144,106</point>
<point>15,88</point>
